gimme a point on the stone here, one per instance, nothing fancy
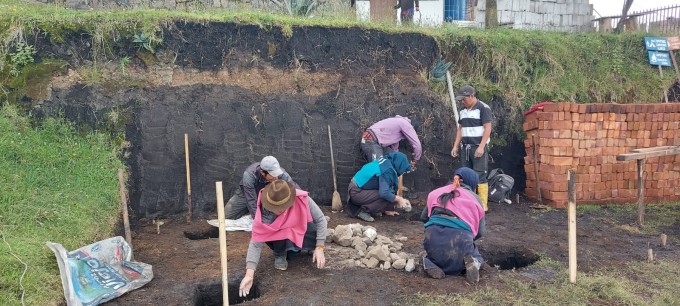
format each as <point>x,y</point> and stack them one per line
<point>356,240</point>
<point>329,235</point>
<point>401,238</point>
<point>377,253</point>
<point>360,246</point>
<point>370,233</point>
<point>397,246</point>
<point>383,240</point>
<point>410,265</point>
<point>358,263</point>
<point>343,235</point>
<point>394,256</point>
<point>399,264</point>
<point>356,229</point>
<point>361,253</point>
<point>372,263</point>
<point>363,229</point>
<point>387,265</point>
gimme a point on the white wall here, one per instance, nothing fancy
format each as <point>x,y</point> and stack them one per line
<point>363,10</point>
<point>431,12</point>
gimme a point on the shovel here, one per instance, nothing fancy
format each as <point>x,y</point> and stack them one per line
<point>336,204</point>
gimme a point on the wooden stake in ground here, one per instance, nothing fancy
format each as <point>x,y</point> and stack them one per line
<point>641,191</point>
<point>538,184</point>
<point>336,202</point>
<point>186,150</point>
<point>124,204</point>
<point>665,94</point>
<point>400,190</point>
<point>223,243</point>
<point>453,97</point>
<point>572,226</point>
<point>662,239</point>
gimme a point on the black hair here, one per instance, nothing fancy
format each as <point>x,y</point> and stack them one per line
<point>415,123</point>
<point>446,197</point>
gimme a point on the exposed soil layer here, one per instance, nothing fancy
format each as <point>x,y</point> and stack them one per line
<point>184,269</point>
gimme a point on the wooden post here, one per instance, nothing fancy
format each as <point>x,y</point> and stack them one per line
<point>538,184</point>
<point>223,243</point>
<point>453,97</point>
<point>123,204</point>
<point>665,94</point>
<point>400,190</point>
<point>572,226</point>
<point>675,65</point>
<point>640,191</point>
<point>186,150</point>
<point>663,238</point>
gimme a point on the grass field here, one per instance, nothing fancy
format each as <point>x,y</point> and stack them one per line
<point>55,185</point>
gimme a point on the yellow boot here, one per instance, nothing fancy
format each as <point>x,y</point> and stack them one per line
<point>483,192</point>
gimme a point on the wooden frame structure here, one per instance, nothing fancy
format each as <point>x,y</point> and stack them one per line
<point>640,155</point>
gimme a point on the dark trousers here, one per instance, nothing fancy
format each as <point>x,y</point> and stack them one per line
<point>479,164</point>
<point>281,247</point>
<point>446,247</point>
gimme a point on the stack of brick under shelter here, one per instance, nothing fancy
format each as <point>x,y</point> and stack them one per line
<point>587,138</point>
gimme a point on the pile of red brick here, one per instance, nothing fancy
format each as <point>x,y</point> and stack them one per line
<point>587,138</point>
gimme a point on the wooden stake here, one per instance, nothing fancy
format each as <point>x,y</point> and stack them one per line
<point>186,150</point>
<point>223,243</point>
<point>538,184</point>
<point>453,97</point>
<point>675,65</point>
<point>572,226</point>
<point>124,204</point>
<point>650,255</point>
<point>641,191</point>
<point>665,94</point>
<point>517,201</point>
<point>663,239</point>
<point>400,191</point>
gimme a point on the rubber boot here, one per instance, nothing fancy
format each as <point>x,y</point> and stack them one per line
<point>483,192</point>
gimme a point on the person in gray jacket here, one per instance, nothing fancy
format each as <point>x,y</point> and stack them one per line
<point>255,177</point>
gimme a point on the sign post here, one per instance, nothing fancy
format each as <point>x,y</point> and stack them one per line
<point>658,54</point>
<point>674,44</point>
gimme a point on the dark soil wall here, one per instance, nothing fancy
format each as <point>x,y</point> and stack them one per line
<point>229,127</point>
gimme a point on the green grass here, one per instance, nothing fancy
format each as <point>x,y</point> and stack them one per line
<point>55,185</point>
<point>634,283</point>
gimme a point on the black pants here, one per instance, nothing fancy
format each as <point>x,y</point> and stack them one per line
<point>281,247</point>
<point>479,164</point>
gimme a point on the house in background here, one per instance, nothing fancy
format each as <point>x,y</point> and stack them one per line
<point>554,15</point>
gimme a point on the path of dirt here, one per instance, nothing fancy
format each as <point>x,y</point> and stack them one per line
<point>517,235</point>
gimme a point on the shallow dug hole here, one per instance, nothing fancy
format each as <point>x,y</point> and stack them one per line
<point>210,294</point>
<point>509,259</point>
<point>212,232</point>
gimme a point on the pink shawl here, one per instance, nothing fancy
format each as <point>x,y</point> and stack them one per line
<point>465,206</point>
<point>291,224</point>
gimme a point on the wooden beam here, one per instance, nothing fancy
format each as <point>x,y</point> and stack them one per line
<point>640,191</point>
<point>642,155</point>
<point>652,149</point>
<point>572,225</point>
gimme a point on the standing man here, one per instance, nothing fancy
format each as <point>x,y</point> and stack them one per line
<point>255,177</point>
<point>383,137</point>
<point>473,134</point>
<point>407,10</point>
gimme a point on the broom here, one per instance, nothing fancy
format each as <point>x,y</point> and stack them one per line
<point>336,204</point>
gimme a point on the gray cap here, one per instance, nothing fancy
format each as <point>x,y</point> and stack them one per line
<point>271,165</point>
<point>464,91</point>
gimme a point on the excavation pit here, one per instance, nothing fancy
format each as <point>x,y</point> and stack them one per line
<point>210,294</point>
<point>213,232</point>
<point>510,259</point>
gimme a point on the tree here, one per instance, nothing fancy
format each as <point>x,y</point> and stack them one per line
<point>491,14</point>
<point>624,16</point>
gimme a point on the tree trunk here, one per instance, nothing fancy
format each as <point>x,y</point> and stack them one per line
<point>624,16</point>
<point>491,14</point>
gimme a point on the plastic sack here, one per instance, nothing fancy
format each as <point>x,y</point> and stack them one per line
<point>244,223</point>
<point>99,272</point>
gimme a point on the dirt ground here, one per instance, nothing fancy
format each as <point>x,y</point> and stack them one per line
<point>187,272</point>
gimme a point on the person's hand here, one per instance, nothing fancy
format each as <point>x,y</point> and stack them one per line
<point>396,7</point>
<point>413,165</point>
<point>319,258</point>
<point>454,152</point>
<point>479,152</point>
<point>391,213</point>
<point>246,284</point>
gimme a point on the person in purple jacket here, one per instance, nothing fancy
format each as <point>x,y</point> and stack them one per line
<point>383,137</point>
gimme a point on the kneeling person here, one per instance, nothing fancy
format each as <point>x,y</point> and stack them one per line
<point>454,219</point>
<point>286,219</point>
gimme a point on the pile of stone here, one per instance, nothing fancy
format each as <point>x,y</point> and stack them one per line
<point>372,250</point>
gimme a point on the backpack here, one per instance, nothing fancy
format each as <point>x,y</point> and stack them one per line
<point>500,185</point>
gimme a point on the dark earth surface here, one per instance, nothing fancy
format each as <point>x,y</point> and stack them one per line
<point>187,271</point>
